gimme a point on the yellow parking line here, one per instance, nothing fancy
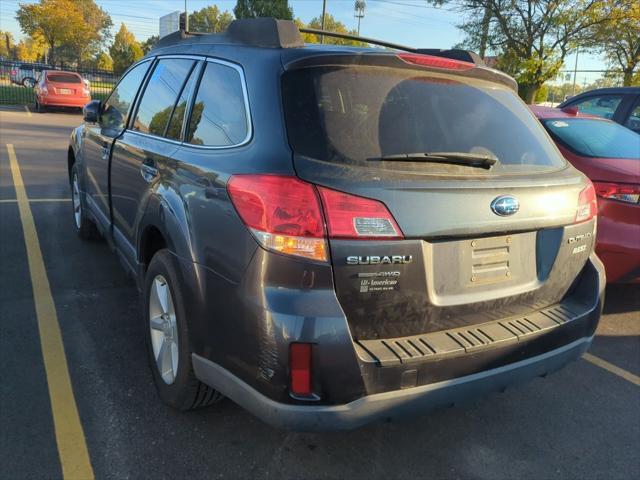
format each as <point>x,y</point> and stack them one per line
<point>36,200</point>
<point>72,447</point>
<point>628,376</point>
<point>27,110</point>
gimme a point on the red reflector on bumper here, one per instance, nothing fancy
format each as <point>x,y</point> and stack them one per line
<point>300,364</point>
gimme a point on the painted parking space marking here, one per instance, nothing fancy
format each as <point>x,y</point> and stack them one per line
<point>26,108</point>
<point>36,200</point>
<point>610,367</point>
<point>70,439</point>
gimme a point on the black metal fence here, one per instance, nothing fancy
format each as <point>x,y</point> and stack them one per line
<point>18,78</point>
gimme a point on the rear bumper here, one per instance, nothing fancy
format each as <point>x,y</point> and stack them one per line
<point>388,404</point>
<point>63,101</point>
<point>353,383</point>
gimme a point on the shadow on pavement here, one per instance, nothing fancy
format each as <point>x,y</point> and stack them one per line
<point>622,298</point>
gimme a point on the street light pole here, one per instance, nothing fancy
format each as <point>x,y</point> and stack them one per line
<point>324,12</point>
<point>359,7</point>
<point>575,74</point>
<point>186,17</point>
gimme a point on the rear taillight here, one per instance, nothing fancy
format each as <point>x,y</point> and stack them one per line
<point>14,73</point>
<point>285,214</point>
<point>435,62</point>
<point>300,366</point>
<point>623,192</point>
<point>587,204</point>
<point>349,216</point>
<point>282,212</point>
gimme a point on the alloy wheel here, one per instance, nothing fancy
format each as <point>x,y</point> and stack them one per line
<point>163,329</point>
<point>77,207</point>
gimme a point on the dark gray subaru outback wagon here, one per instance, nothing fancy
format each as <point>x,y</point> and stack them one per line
<point>332,235</point>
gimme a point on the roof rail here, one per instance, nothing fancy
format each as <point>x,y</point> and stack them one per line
<point>456,54</point>
<point>272,33</point>
<point>357,38</point>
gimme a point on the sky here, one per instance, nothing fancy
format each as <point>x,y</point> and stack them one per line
<point>408,22</point>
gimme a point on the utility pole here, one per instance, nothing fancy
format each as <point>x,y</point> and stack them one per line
<point>575,74</point>
<point>359,12</point>
<point>186,17</point>
<point>324,12</point>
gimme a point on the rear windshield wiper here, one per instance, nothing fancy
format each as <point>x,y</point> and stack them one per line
<point>478,160</point>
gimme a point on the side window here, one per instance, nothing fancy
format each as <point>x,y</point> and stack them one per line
<point>117,106</point>
<point>218,117</point>
<point>160,95</point>
<point>174,130</point>
<point>633,122</point>
<point>601,105</point>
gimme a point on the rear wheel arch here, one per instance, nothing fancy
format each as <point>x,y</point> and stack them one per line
<point>152,240</point>
<point>71,160</point>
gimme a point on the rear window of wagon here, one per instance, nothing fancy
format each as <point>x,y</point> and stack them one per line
<point>348,114</point>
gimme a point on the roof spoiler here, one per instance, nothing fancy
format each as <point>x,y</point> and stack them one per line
<point>455,54</point>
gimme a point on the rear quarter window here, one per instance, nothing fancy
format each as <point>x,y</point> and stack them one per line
<point>160,95</point>
<point>219,117</point>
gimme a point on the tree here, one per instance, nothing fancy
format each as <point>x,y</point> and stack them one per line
<point>86,43</point>
<point>104,62</point>
<point>209,19</point>
<point>75,27</point>
<point>125,49</point>
<point>263,8</point>
<point>619,38</point>
<point>148,44</point>
<point>31,49</point>
<point>7,45</point>
<point>54,20</point>
<point>531,37</point>
<point>331,25</point>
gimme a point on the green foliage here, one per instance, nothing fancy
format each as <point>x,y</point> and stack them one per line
<point>30,49</point>
<point>619,38</point>
<point>263,8</point>
<point>541,94</point>
<point>531,37</point>
<point>209,19</point>
<point>77,28</point>
<point>148,44</point>
<point>125,50</point>
<point>7,45</point>
<point>331,25</point>
<point>104,62</point>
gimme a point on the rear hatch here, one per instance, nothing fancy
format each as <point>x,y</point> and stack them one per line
<point>464,253</point>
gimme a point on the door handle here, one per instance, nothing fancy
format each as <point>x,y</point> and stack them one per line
<point>149,171</point>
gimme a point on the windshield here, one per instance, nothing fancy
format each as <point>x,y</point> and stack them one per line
<point>595,138</point>
<point>351,114</point>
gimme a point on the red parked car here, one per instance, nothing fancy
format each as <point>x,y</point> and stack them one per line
<point>609,155</point>
<point>56,88</point>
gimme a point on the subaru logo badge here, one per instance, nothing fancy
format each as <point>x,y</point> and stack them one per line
<point>505,205</point>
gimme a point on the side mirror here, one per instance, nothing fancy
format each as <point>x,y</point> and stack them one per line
<point>91,111</point>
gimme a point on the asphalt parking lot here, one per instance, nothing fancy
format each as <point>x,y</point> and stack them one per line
<point>582,422</point>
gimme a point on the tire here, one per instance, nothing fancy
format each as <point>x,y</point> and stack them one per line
<point>175,381</point>
<point>85,228</point>
<point>28,82</point>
